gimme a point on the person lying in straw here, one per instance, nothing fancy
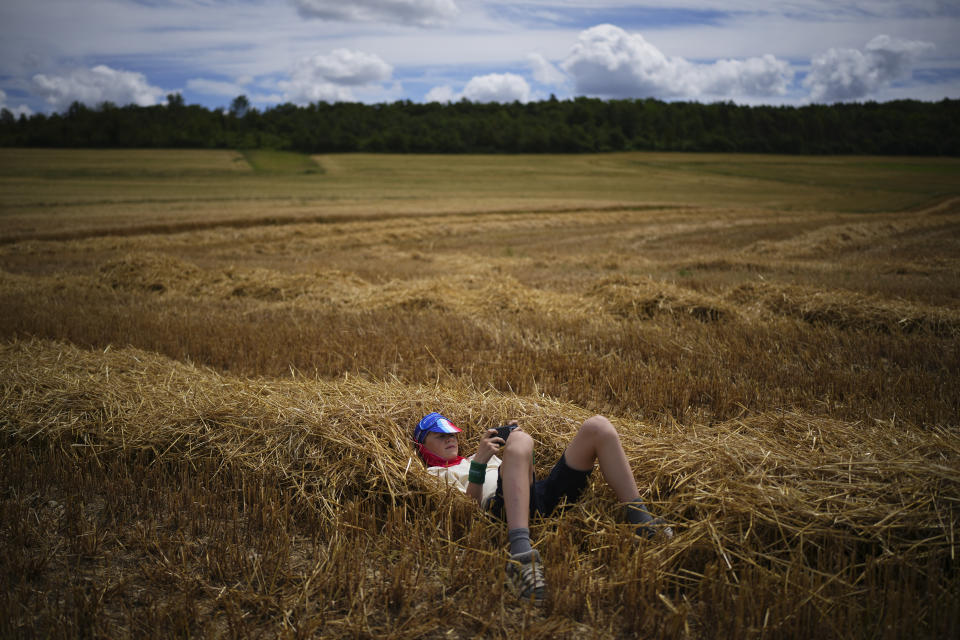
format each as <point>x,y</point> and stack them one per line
<point>507,488</point>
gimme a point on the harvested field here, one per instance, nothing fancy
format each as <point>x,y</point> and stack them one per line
<point>208,392</point>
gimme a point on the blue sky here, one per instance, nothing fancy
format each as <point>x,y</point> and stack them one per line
<point>53,52</point>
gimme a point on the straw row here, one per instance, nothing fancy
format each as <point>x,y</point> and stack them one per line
<point>896,487</point>
<point>486,294</point>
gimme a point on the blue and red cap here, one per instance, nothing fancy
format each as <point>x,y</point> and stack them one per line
<point>436,423</point>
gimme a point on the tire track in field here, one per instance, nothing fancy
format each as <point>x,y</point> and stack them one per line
<point>167,228</point>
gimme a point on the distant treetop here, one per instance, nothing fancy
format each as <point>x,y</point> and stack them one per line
<point>904,127</point>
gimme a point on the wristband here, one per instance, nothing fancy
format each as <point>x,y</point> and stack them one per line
<point>478,471</point>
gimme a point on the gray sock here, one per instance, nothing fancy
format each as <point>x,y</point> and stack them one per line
<point>519,540</point>
<point>637,513</point>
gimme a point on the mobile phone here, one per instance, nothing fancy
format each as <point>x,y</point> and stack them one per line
<point>504,431</point>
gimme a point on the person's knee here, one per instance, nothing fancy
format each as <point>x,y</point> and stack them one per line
<point>599,427</point>
<point>519,445</point>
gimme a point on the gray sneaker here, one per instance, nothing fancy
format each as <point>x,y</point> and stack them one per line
<point>657,527</point>
<point>525,576</point>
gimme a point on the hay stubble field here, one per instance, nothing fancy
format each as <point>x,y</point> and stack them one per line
<point>211,362</point>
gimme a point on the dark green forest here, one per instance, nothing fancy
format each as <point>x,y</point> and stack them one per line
<point>905,127</point>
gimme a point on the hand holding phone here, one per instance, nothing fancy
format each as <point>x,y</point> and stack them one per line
<point>504,431</point>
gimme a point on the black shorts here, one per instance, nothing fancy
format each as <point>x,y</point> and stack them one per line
<point>547,494</point>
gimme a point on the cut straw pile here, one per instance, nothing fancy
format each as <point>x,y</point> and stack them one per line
<point>830,239</point>
<point>894,485</point>
<point>485,294</point>
<point>645,298</point>
<point>475,294</point>
<point>846,310</point>
<point>765,494</point>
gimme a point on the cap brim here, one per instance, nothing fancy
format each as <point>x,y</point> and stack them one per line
<point>442,425</point>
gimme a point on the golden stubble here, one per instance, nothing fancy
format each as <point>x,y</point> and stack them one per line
<point>207,392</point>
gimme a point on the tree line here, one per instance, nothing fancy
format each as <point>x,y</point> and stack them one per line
<point>902,127</point>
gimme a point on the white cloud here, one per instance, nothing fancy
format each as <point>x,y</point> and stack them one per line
<point>497,87</point>
<point>307,92</point>
<point>16,111</point>
<point>494,87</point>
<point>545,72</point>
<point>201,40</point>
<point>441,94</point>
<point>849,74</point>
<point>425,13</point>
<point>329,77</point>
<point>96,85</point>
<point>607,61</point>
<point>763,76</point>
<point>350,68</point>
<point>383,93</point>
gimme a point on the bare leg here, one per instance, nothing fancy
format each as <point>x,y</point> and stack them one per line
<point>597,440</point>
<point>516,474</point>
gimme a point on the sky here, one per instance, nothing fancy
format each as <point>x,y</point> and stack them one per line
<point>779,52</point>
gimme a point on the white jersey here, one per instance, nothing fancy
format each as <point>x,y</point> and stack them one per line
<point>459,476</point>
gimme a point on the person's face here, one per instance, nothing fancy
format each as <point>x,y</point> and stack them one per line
<point>444,445</point>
